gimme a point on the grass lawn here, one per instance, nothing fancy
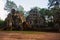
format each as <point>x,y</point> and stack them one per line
<point>25,32</point>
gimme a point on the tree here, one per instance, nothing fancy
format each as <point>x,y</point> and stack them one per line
<point>1,22</point>
<point>20,9</point>
<point>42,12</point>
<point>26,13</point>
<point>10,5</point>
<point>54,3</point>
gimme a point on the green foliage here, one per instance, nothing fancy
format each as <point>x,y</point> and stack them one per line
<point>10,5</point>
<point>54,3</point>
<point>1,22</point>
<point>26,13</point>
<point>43,12</point>
<point>20,8</point>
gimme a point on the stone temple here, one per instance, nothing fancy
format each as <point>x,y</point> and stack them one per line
<point>14,20</point>
<point>35,19</point>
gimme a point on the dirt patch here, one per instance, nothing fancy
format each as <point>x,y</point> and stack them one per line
<point>22,36</point>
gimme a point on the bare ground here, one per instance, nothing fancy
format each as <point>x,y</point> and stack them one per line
<point>26,36</point>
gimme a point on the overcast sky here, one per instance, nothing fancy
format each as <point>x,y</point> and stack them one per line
<point>27,4</point>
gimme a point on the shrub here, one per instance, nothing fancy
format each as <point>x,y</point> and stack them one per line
<point>1,22</point>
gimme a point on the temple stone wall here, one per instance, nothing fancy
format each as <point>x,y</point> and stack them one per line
<point>14,20</point>
<point>35,19</point>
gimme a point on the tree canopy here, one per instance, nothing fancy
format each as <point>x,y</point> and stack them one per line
<point>54,3</point>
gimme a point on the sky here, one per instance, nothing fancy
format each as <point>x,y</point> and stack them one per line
<point>26,4</point>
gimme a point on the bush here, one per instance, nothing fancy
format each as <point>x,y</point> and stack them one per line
<point>1,22</point>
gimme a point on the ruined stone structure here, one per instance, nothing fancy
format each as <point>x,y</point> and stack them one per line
<point>35,19</point>
<point>14,20</point>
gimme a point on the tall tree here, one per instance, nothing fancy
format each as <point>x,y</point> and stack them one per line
<point>10,5</point>
<point>56,13</point>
